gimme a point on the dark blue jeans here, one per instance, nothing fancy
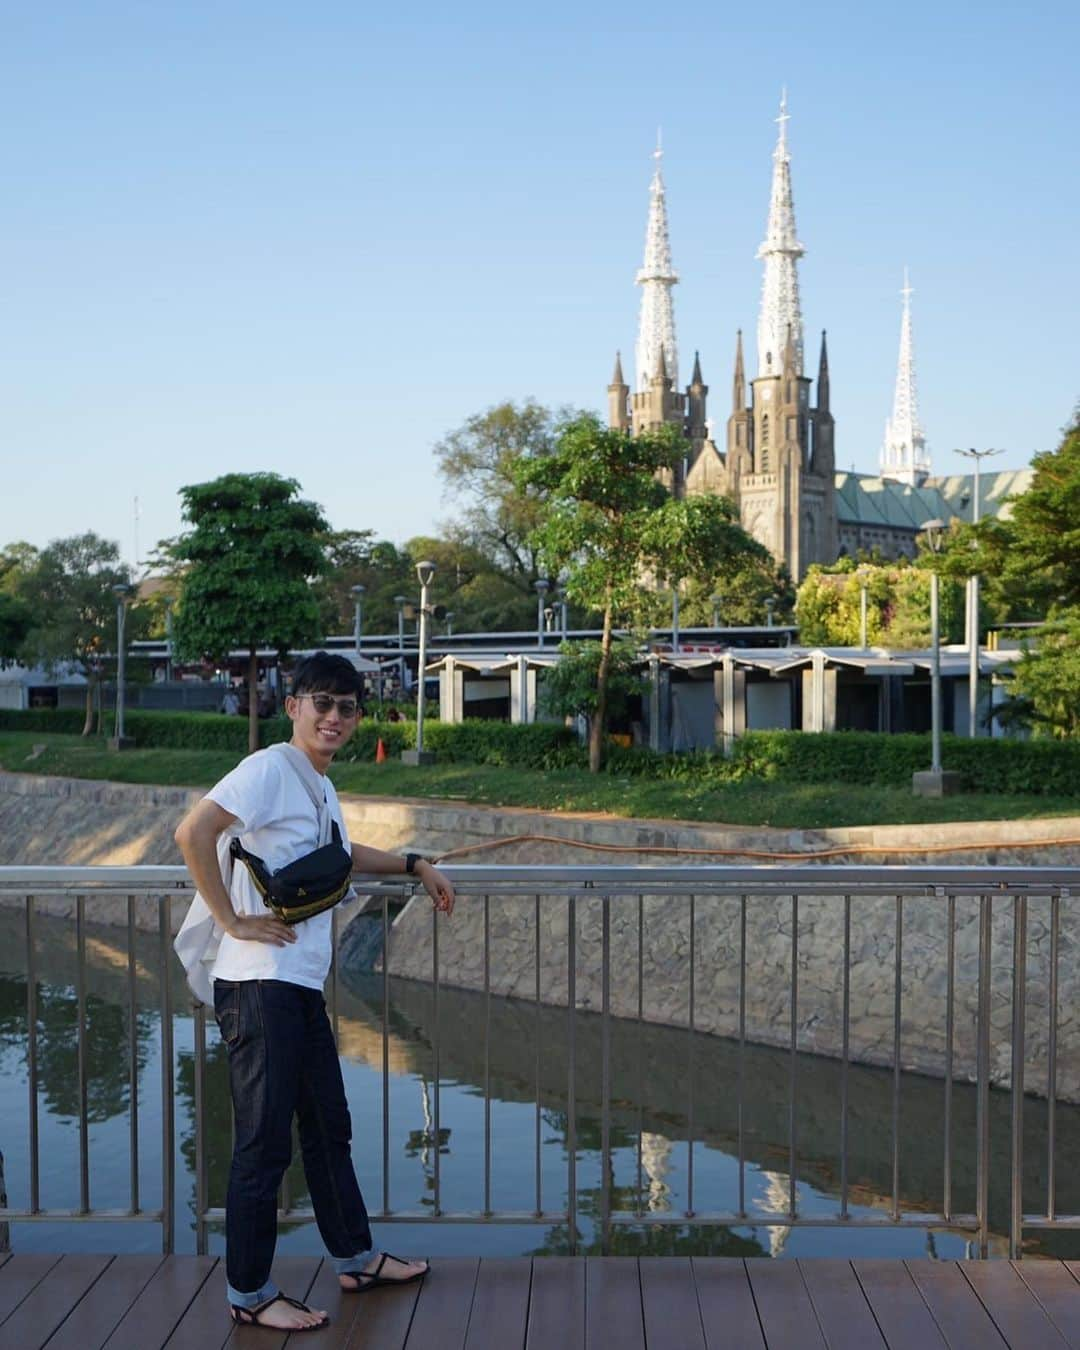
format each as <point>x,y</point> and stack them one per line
<point>283,1062</point>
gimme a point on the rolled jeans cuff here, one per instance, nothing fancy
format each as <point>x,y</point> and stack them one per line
<point>263,1295</point>
<point>349,1265</point>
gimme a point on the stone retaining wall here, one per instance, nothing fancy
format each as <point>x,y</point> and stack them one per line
<point>48,820</point>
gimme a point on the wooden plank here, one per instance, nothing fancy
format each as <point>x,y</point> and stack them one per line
<point>613,1303</point>
<point>728,1314</point>
<point>1057,1290</point>
<point>1017,1313</point>
<point>954,1306</point>
<point>51,1301</point>
<point>150,1320</point>
<point>500,1310</point>
<point>669,1304</point>
<point>901,1314</point>
<point>107,1302</point>
<point>381,1318</point>
<point>842,1310</point>
<point>557,1304</point>
<point>21,1274</point>
<point>787,1315</point>
<point>441,1319</point>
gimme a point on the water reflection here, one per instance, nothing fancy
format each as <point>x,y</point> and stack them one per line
<point>651,1070</point>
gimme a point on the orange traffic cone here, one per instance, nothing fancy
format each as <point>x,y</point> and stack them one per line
<point>380,751</point>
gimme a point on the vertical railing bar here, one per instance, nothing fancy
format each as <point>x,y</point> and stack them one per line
<point>982,1077</point>
<point>82,1066</point>
<point>386,1053</point>
<point>536,1053</point>
<point>31,1054</point>
<point>845,1061</point>
<point>605,1076</point>
<point>690,1071</point>
<point>487,1055</point>
<point>640,1051</point>
<point>571,1071</point>
<point>950,1026</point>
<point>435,1049</point>
<point>168,1124</point>
<point>898,997</point>
<point>202,1196</point>
<point>740,1107</point>
<point>1051,1063</point>
<point>133,1062</point>
<point>1019,995</point>
<point>793,1062</point>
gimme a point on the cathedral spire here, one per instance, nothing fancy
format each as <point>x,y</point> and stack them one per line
<point>738,400</point>
<point>781,252</point>
<point>823,377</point>
<point>904,455</point>
<point>656,326</point>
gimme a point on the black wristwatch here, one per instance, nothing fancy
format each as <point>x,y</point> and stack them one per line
<point>411,859</point>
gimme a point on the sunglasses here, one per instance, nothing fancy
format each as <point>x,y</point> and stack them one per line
<point>324,702</point>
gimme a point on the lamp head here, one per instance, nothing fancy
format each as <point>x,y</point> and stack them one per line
<point>425,571</point>
<point>399,600</point>
<point>542,586</point>
<point>121,590</point>
<point>932,530</point>
<point>359,591</point>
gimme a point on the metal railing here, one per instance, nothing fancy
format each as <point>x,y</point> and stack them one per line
<point>622,889</point>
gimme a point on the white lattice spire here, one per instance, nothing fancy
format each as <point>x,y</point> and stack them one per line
<point>781,251</point>
<point>656,326</point>
<point>904,455</point>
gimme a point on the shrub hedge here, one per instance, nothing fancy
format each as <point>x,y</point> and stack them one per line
<point>1040,767</point>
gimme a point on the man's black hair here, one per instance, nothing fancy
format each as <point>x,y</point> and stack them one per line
<point>325,673</point>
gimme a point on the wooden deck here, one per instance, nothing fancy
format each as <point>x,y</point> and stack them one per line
<point>85,1302</point>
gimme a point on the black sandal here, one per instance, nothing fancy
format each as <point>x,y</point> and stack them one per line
<point>374,1279</point>
<point>249,1317</point>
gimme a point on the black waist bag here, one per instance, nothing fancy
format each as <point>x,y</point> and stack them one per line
<point>306,887</point>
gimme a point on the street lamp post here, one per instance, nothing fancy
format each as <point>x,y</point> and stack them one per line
<point>560,595</point>
<point>122,591</point>
<point>973,604</point>
<point>770,605</point>
<point>449,623</point>
<point>424,571</point>
<point>936,782</point>
<point>169,602</point>
<point>715,602</point>
<point>542,588</point>
<point>675,619</point>
<point>358,593</point>
<point>399,601</point>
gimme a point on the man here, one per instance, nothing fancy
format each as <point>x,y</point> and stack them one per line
<point>268,978</point>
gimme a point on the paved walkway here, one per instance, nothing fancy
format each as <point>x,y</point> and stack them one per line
<point>84,1302</point>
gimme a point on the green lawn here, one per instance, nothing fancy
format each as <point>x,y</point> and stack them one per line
<point>790,806</point>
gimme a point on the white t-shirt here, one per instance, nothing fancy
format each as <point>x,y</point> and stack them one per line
<point>277,821</point>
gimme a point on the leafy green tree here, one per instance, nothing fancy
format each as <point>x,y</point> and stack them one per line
<point>570,689</point>
<point>68,590</point>
<point>16,562</point>
<point>253,550</point>
<point>828,606</point>
<point>1046,682</point>
<point>606,521</point>
<point>16,620</point>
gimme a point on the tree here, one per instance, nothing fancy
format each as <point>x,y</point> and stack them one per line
<point>479,463</point>
<point>251,554</point>
<point>16,620</point>
<point>829,602</point>
<point>570,688</point>
<point>69,593</point>
<point>606,520</point>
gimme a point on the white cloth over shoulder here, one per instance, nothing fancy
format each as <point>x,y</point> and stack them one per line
<point>197,942</point>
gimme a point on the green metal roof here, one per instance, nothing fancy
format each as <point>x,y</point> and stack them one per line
<point>864,500</point>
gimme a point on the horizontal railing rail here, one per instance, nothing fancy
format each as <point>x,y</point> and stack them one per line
<point>618,890</point>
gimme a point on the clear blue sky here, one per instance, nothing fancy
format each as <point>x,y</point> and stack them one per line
<point>314,238</point>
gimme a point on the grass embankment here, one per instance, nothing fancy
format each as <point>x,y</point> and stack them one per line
<point>752,802</point>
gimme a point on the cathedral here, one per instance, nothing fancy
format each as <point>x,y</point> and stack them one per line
<point>778,461</point>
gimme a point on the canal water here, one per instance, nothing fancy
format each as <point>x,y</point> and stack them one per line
<point>673,1113</point>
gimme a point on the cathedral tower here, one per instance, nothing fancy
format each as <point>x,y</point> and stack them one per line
<point>784,485</point>
<point>904,456</point>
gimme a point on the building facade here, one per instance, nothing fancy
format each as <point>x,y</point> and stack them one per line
<point>778,458</point>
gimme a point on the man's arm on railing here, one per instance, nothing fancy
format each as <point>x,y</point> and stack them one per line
<point>197,838</point>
